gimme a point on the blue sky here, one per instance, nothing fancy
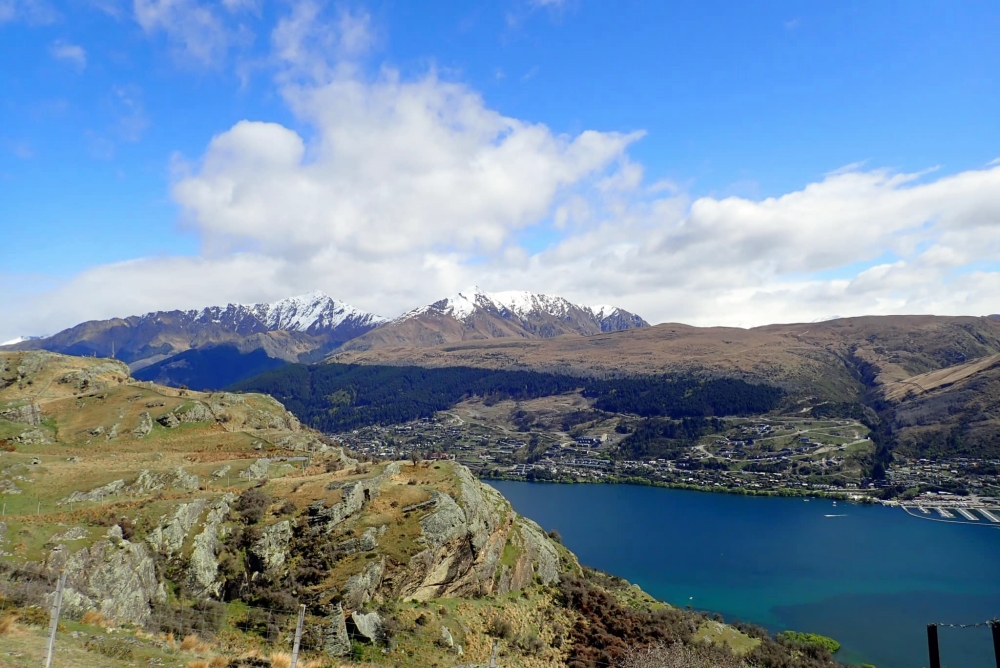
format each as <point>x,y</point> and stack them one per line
<point>108,107</point>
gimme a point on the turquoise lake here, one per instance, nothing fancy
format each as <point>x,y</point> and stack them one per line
<point>872,577</point>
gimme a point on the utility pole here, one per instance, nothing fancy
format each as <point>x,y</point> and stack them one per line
<point>995,628</point>
<point>496,649</point>
<point>932,646</point>
<point>298,636</point>
<point>54,622</point>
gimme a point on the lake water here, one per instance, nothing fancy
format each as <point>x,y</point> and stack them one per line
<point>872,577</point>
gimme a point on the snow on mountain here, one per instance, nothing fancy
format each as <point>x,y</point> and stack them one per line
<point>21,339</point>
<point>518,303</point>
<point>312,311</point>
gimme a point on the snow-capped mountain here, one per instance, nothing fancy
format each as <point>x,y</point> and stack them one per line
<point>476,314</point>
<point>291,329</point>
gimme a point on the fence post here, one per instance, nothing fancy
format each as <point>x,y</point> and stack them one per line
<point>995,628</point>
<point>493,656</point>
<point>932,646</point>
<point>298,636</point>
<point>54,623</point>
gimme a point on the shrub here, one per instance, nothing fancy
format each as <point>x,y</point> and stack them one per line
<point>809,639</point>
<point>116,648</point>
<point>677,655</point>
<point>500,628</point>
<point>34,616</point>
<point>128,527</point>
<point>252,504</point>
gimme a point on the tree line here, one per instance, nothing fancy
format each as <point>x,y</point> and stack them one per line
<point>342,397</point>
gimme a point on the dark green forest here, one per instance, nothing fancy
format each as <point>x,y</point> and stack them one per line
<point>341,397</point>
<point>682,396</point>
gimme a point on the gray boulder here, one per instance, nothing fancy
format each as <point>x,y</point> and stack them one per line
<point>145,425</point>
<point>221,472</point>
<point>336,642</point>
<point>197,412</point>
<point>361,587</point>
<point>115,577</point>
<point>257,470</point>
<point>34,437</point>
<point>366,627</point>
<point>30,414</point>
<point>272,546</point>
<point>169,420</point>
<point>113,488</point>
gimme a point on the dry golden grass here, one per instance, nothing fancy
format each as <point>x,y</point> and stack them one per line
<point>197,664</point>
<point>93,618</point>
<point>7,623</point>
<point>218,662</point>
<point>281,660</point>
<point>190,643</point>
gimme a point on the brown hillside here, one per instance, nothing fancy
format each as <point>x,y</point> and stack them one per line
<point>825,358</point>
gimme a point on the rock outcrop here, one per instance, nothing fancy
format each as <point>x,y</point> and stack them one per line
<point>361,587</point>
<point>152,481</point>
<point>336,642</point>
<point>30,414</point>
<point>203,567</point>
<point>145,425</point>
<point>168,537</point>
<point>97,494</point>
<point>366,627</point>
<point>257,470</point>
<point>272,546</point>
<point>114,577</point>
<point>354,495</point>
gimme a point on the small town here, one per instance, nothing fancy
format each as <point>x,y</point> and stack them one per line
<point>775,456</point>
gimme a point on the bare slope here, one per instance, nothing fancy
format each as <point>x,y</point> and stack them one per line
<point>832,360</point>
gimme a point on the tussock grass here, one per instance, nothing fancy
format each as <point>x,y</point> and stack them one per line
<point>7,623</point>
<point>93,618</point>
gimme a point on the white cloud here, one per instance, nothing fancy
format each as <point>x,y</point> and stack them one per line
<point>73,54</point>
<point>397,166</point>
<point>194,30</point>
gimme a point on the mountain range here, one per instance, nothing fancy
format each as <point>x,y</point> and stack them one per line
<point>215,346</point>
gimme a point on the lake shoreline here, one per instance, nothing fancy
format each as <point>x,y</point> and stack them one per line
<point>643,482</point>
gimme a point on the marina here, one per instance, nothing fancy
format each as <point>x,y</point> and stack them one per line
<point>947,513</point>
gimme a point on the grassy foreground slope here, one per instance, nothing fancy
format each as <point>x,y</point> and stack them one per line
<point>192,527</point>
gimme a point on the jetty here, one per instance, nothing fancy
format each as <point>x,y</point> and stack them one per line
<point>989,515</point>
<point>967,515</point>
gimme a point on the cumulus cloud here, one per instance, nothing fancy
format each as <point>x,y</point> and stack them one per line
<point>74,54</point>
<point>396,167</point>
